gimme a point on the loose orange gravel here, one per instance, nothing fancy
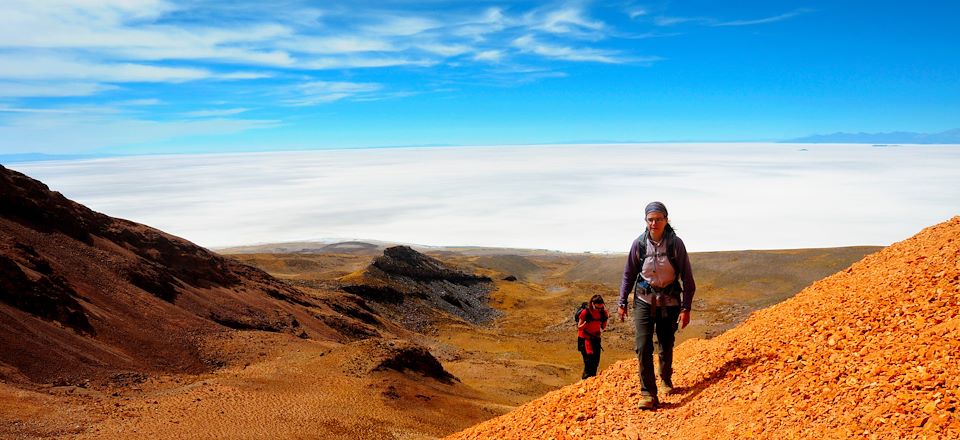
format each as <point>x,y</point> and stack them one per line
<point>870,352</point>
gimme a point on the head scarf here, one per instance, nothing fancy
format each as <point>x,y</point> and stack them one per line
<point>655,206</point>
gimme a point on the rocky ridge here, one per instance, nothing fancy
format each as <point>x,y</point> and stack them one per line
<point>412,287</point>
<point>872,351</point>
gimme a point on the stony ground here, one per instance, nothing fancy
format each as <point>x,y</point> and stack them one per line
<point>871,352</point>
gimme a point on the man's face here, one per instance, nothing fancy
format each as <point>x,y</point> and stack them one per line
<point>656,222</point>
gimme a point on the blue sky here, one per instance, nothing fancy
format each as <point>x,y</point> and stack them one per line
<point>154,76</point>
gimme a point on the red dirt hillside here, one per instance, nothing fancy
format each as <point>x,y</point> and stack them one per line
<point>872,351</point>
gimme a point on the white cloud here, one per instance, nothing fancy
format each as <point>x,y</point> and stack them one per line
<point>528,43</point>
<point>34,110</point>
<point>709,21</point>
<point>344,44</point>
<point>89,131</point>
<point>372,61</point>
<point>670,21</point>
<point>636,12</point>
<point>84,47</point>
<point>139,102</point>
<point>446,50</point>
<point>321,92</point>
<point>489,55</point>
<point>57,89</point>
<point>27,67</point>
<point>216,112</point>
<point>244,75</point>
<point>773,19</point>
<point>566,20</point>
<point>478,28</point>
<point>402,26</point>
<point>507,196</point>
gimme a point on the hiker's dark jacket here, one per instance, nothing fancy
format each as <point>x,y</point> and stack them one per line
<point>656,264</point>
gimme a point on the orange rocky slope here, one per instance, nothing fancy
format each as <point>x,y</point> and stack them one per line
<point>871,352</point>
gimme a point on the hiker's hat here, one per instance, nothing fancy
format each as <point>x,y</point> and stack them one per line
<point>655,207</point>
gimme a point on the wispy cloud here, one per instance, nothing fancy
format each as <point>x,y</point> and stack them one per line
<point>634,13</point>
<point>529,44</point>
<point>766,20</point>
<point>92,45</point>
<point>400,26</point>
<point>321,92</point>
<point>569,19</point>
<point>489,55</point>
<point>139,102</point>
<point>710,21</point>
<point>347,44</point>
<point>89,131</point>
<point>32,67</point>
<point>445,50</point>
<point>671,21</point>
<point>365,62</point>
<point>216,112</point>
<point>478,27</point>
<point>34,110</point>
<point>11,89</point>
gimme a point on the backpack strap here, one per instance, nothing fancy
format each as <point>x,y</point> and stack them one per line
<point>587,316</point>
<point>642,248</point>
<point>671,252</point>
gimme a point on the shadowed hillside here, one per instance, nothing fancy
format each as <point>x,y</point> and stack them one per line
<point>86,297</point>
<point>870,351</point>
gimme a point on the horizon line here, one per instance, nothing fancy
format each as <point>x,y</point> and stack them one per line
<point>45,157</point>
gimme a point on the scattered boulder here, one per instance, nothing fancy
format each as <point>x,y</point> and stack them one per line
<point>380,355</point>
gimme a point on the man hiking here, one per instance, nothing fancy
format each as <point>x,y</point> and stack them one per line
<point>659,267</point>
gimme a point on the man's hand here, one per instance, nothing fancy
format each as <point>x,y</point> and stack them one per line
<point>622,313</point>
<point>684,318</point>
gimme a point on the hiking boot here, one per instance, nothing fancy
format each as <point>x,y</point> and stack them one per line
<point>667,386</point>
<point>648,402</point>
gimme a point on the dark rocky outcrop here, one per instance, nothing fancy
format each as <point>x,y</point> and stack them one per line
<point>416,289</point>
<point>47,296</point>
<point>380,355</point>
<point>405,262</point>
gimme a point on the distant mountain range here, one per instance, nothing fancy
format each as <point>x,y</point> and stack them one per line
<point>896,137</point>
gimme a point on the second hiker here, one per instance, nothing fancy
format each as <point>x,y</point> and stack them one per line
<point>659,267</point>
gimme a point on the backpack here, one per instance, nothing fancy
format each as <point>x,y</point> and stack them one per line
<point>588,317</point>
